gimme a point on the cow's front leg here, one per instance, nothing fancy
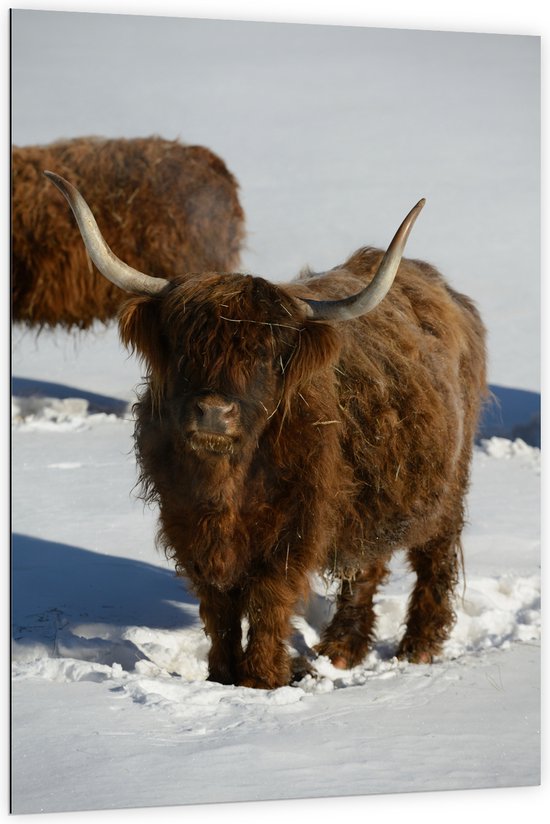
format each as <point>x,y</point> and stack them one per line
<point>221,615</point>
<point>269,605</point>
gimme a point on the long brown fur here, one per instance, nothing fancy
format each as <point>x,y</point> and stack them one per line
<point>164,206</point>
<point>349,440</point>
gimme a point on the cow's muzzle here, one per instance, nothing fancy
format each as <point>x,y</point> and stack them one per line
<point>215,416</point>
<point>214,425</point>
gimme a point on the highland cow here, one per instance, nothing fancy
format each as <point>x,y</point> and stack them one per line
<point>316,425</point>
<point>168,206</point>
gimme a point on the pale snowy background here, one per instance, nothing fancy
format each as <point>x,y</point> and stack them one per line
<point>333,134</point>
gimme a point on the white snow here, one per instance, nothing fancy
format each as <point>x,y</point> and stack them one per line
<point>110,704</point>
<point>102,620</point>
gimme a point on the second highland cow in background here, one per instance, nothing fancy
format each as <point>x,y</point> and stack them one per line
<point>166,206</point>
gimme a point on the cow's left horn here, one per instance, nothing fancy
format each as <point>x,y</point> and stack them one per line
<point>119,273</point>
<point>369,297</point>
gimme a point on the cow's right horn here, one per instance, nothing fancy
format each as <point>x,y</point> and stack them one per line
<point>119,273</point>
<point>368,298</point>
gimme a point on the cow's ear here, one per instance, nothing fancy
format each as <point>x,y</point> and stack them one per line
<point>319,348</point>
<point>140,328</point>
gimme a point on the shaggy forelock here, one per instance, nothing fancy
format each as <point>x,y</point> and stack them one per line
<point>221,328</point>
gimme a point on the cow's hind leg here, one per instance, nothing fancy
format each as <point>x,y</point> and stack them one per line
<point>431,614</point>
<point>348,637</point>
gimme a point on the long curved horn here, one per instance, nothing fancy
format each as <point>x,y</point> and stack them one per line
<point>369,297</point>
<point>119,273</point>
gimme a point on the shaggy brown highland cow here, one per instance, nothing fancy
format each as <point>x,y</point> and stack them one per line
<point>317,425</point>
<point>167,206</point>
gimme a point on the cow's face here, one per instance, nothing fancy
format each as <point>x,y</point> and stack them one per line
<point>225,354</point>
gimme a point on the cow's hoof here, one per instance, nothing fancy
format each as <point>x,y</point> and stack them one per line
<point>301,667</point>
<point>258,684</point>
<point>341,657</point>
<point>224,679</point>
<point>340,662</point>
<point>415,655</point>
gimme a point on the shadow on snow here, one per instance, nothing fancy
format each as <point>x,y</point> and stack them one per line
<point>512,413</point>
<point>56,586</point>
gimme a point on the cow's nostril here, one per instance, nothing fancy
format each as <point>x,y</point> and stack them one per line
<point>228,409</point>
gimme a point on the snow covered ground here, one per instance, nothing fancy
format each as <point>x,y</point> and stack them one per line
<point>109,657</point>
<point>110,706</point>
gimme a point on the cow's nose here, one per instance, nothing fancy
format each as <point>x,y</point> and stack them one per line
<point>214,416</point>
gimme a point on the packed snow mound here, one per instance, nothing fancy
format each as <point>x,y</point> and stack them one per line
<point>505,449</point>
<point>57,414</point>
